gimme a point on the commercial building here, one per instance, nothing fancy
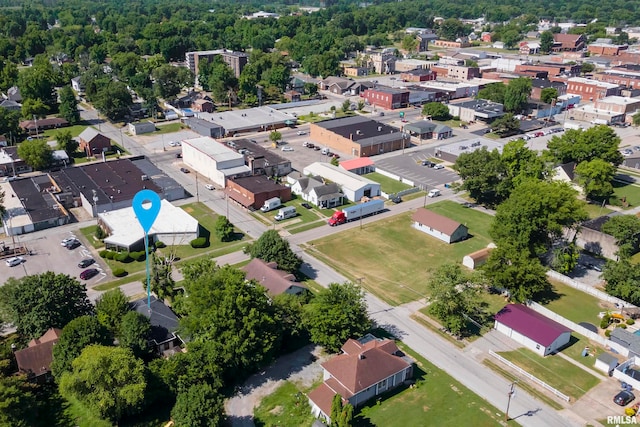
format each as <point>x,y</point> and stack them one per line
<point>213,160</point>
<point>476,110</point>
<point>249,120</point>
<point>260,160</point>
<point>358,136</point>
<point>354,187</point>
<point>386,97</point>
<point>537,85</point>
<point>568,42</point>
<point>418,75</point>
<point>252,191</point>
<point>591,90</point>
<point>457,72</point>
<point>204,127</point>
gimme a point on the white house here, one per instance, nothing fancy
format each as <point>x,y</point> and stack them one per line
<point>532,329</point>
<point>354,187</point>
<point>317,193</point>
<point>438,226</point>
<point>213,160</point>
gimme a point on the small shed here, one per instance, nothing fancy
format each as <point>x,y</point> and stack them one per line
<point>606,363</point>
<point>532,329</point>
<point>438,226</point>
<point>142,127</point>
<point>477,258</point>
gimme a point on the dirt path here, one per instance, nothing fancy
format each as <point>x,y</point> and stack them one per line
<point>302,367</point>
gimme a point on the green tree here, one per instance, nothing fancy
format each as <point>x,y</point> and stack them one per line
<point>113,100</point>
<point>506,125</point>
<point>161,281</point>
<point>409,43</point>
<point>565,257</point>
<point>34,108</point>
<point>224,229</point>
<point>520,164</point>
<point>270,247</point>
<point>453,296</point>
<point>493,92</point>
<point>587,67</point>
<point>275,136</point>
<point>66,142</point>
<point>522,276</point>
<point>582,146</point>
<point>346,105</point>
<point>511,38</point>
<point>108,381</point>
<point>336,313</point>
<point>482,173</point>
<point>437,111</point>
<point>361,105</point>
<point>548,95</point>
<point>216,76</point>
<point>36,153</point>
<point>76,335</point>
<point>198,406</point>
<point>235,317</point>
<point>535,215</point>
<point>134,334</point>
<point>595,177</point>
<point>110,308</point>
<point>18,404</point>
<point>336,409</point>
<point>9,121</point>
<point>38,302</point>
<point>516,94</point>
<point>38,81</point>
<point>622,280</point>
<point>546,41</point>
<point>170,80</point>
<point>626,230</point>
<point>68,105</point>
<point>346,416</point>
<point>636,119</point>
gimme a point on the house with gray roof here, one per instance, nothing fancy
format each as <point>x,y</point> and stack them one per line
<point>164,324</point>
<point>626,339</point>
<point>317,192</point>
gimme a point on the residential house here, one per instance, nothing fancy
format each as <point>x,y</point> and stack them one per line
<point>366,368</point>
<point>293,96</point>
<point>164,324</point>
<point>93,142</point>
<point>33,127</point>
<point>532,329</point>
<point>13,94</point>
<point>627,340</point>
<point>276,281</point>
<point>203,106</point>
<point>35,360</point>
<point>438,226</point>
<point>77,86</point>
<point>318,193</point>
<point>591,238</point>
<point>529,48</point>
<point>8,104</point>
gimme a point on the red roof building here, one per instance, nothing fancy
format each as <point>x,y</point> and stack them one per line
<point>275,281</point>
<point>438,226</point>
<point>359,166</point>
<point>568,42</point>
<point>37,357</point>
<point>366,368</point>
<point>532,329</point>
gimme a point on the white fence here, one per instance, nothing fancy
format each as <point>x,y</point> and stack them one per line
<point>619,373</point>
<point>579,329</point>
<point>529,376</point>
<point>394,176</point>
<point>587,289</point>
<point>400,193</point>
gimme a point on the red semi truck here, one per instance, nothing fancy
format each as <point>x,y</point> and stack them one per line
<point>352,213</point>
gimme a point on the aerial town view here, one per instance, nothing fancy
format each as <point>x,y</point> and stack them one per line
<point>330,213</point>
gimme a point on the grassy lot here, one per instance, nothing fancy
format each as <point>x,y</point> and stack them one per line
<point>168,128</point>
<point>577,344</point>
<point>308,226</point>
<point>284,403</point>
<point>388,185</point>
<point>595,211</point>
<point>437,400</point>
<point>75,131</point>
<point>573,304</point>
<point>624,189</point>
<point>393,258</point>
<point>555,371</point>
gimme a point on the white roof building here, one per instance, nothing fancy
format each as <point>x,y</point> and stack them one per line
<point>173,226</point>
<point>213,160</point>
<point>353,186</point>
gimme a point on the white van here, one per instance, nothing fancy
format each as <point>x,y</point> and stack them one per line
<point>325,151</point>
<point>434,193</point>
<point>285,213</point>
<point>271,204</point>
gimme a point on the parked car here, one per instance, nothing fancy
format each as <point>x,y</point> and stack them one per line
<point>73,244</point>
<point>305,205</point>
<point>89,273</point>
<point>301,132</point>
<point>316,148</point>
<point>86,262</point>
<point>174,144</point>
<point>623,398</point>
<point>184,170</point>
<point>209,187</point>
<point>627,152</point>
<point>335,155</point>
<point>438,167</point>
<point>287,148</point>
<point>396,199</point>
<point>66,241</point>
<point>594,267</point>
<point>16,260</point>
<point>428,163</point>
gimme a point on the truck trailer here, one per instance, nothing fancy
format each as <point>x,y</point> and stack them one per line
<point>352,213</point>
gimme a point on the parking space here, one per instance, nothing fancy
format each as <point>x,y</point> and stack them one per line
<point>409,167</point>
<point>47,254</point>
<point>166,141</point>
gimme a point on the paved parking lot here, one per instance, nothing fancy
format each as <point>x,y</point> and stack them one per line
<point>409,166</point>
<point>49,255</point>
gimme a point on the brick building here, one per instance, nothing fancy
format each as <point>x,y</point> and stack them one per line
<point>457,72</point>
<point>418,75</point>
<point>591,90</point>
<point>606,49</point>
<point>252,191</point>
<point>568,42</point>
<point>626,79</point>
<point>93,142</point>
<point>386,97</point>
<point>618,104</point>
<point>552,70</point>
<point>538,84</point>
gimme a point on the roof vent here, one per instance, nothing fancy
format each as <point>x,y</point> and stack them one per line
<point>358,132</point>
<point>361,356</point>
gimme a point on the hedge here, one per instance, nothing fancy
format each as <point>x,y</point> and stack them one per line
<point>200,242</point>
<point>160,244</point>
<point>123,257</point>
<point>138,256</point>
<point>119,272</point>
<point>103,253</point>
<point>110,255</point>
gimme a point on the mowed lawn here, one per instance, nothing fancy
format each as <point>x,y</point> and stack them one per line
<point>630,192</point>
<point>388,185</point>
<point>573,304</point>
<point>437,400</point>
<point>554,370</point>
<point>394,260</point>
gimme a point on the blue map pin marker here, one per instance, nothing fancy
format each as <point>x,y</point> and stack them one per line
<point>146,213</point>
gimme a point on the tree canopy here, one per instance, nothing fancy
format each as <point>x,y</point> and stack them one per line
<point>36,153</point>
<point>626,230</point>
<point>436,110</point>
<point>576,145</point>
<point>198,406</point>
<point>270,247</point>
<point>110,308</point>
<point>38,302</point>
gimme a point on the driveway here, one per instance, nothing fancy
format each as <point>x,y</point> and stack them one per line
<point>301,367</point>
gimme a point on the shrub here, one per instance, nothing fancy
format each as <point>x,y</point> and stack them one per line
<point>119,272</point>
<point>607,333</point>
<point>103,253</point>
<point>623,326</point>
<point>630,321</point>
<point>605,322</point>
<point>160,244</point>
<point>200,242</point>
<point>123,257</point>
<point>138,256</point>
<point>100,234</point>
<point>110,255</point>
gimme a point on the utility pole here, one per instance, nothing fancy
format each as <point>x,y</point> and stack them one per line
<point>510,393</point>
<point>197,192</point>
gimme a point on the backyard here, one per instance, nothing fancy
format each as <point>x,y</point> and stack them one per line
<point>572,303</point>
<point>626,191</point>
<point>394,260</point>
<point>388,185</point>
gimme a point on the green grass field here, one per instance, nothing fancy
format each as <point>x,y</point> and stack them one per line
<point>437,400</point>
<point>286,405</point>
<point>626,190</point>
<point>555,371</point>
<point>595,211</point>
<point>572,304</point>
<point>388,185</point>
<point>394,259</point>
<point>168,128</point>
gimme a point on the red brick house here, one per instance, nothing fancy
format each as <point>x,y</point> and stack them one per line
<point>93,142</point>
<point>366,368</point>
<point>386,97</point>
